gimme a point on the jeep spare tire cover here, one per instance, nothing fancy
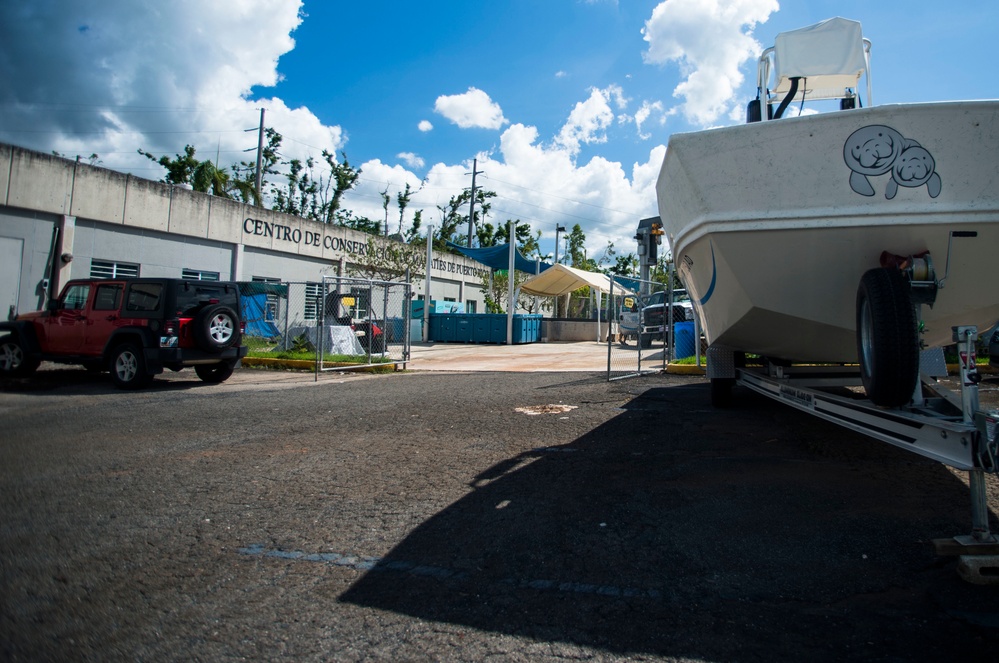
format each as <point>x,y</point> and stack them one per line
<point>216,328</point>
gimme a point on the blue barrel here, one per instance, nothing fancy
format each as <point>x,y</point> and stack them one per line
<point>684,342</point>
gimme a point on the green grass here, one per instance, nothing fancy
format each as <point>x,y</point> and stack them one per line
<point>264,348</point>
<point>690,361</point>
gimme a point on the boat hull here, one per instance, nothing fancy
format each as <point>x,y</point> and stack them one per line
<point>773,224</point>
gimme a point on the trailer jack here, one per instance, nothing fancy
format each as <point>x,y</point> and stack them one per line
<point>978,552</point>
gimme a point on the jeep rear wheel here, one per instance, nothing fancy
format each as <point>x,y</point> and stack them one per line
<point>215,373</point>
<point>216,328</point>
<point>128,367</point>
<point>13,360</point>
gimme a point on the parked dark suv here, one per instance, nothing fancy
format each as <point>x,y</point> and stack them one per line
<point>133,328</point>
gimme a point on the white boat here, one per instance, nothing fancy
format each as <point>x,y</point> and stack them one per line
<point>775,224</point>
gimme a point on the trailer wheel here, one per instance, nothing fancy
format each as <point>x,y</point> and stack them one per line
<point>887,338</point>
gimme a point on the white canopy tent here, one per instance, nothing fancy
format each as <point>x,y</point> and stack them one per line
<point>560,280</point>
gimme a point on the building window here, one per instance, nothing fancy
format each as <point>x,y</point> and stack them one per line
<point>107,269</point>
<point>470,306</point>
<point>198,275</point>
<point>313,293</point>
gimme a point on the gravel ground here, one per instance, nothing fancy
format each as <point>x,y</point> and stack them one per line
<point>437,516</point>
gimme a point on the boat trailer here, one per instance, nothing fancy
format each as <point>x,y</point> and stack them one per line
<point>938,424</point>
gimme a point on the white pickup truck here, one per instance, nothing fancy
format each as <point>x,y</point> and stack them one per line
<point>645,319</point>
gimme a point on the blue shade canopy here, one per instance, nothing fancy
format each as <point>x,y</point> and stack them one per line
<point>498,257</point>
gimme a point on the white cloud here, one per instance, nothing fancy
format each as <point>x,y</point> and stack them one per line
<point>560,74</point>
<point>590,118</point>
<point>472,109</point>
<point>709,40</point>
<point>410,159</point>
<point>538,180</point>
<point>79,80</point>
<point>159,93</point>
<point>643,114</point>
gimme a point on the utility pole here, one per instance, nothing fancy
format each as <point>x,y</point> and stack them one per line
<point>471,204</point>
<point>558,229</point>
<point>260,156</point>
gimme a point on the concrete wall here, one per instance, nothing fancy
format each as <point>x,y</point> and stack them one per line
<point>117,217</point>
<point>158,253</point>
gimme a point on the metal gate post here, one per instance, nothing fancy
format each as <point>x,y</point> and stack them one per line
<point>610,299</point>
<point>407,315</point>
<point>319,329</point>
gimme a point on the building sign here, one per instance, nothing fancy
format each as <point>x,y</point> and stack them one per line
<point>261,228</point>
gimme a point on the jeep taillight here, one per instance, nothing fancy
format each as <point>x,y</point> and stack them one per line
<point>171,332</point>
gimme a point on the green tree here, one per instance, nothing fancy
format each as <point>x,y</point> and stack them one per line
<point>202,176</point>
<point>299,196</point>
<point>577,250</point>
<point>413,234</point>
<point>626,265</point>
<point>453,220</point>
<point>342,179</point>
<point>347,219</point>
<point>527,242</point>
<point>244,173</point>
<point>496,295</point>
<point>402,200</point>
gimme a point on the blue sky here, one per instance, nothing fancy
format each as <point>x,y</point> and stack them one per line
<point>567,104</point>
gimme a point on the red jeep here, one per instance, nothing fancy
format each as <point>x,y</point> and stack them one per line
<point>133,328</point>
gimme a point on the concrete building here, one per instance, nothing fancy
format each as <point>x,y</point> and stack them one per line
<point>61,219</point>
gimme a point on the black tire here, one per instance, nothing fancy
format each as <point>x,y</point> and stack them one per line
<point>216,328</point>
<point>215,373</point>
<point>128,367</point>
<point>721,392</point>
<point>887,338</point>
<point>14,361</point>
<point>645,341</point>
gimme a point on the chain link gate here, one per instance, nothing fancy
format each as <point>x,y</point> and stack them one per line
<point>647,330</point>
<point>362,322</point>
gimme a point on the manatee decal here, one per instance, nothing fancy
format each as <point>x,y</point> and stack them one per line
<point>877,149</point>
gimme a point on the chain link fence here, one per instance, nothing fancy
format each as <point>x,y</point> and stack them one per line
<point>342,322</point>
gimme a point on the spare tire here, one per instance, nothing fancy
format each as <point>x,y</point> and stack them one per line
<point>216,328</point>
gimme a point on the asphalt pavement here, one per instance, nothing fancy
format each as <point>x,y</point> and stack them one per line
<point>468,512</point>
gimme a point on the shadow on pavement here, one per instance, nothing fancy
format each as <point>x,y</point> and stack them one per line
<point>673,530</point>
